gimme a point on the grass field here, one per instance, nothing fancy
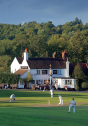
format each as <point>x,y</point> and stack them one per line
<point>26,113</point>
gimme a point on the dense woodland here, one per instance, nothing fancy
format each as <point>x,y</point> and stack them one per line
<point>42,40</point>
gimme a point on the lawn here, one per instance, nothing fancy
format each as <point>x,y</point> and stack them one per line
<point>22,113</point>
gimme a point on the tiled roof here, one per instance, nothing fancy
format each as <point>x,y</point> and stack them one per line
<point>83,66</point>
<point>20,72</point>
<point>20,59</point>
<point>43,63</point>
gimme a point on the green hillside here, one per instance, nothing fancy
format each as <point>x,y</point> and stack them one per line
<point>42,40</point>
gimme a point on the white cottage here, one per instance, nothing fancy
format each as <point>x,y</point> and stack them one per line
<point>40,70</point>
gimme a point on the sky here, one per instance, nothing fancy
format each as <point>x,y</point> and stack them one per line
<point>57,11</point>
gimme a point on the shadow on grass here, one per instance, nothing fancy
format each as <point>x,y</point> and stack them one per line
<point>19,93</point>
<point>24,101</point>
<point>73,96</point>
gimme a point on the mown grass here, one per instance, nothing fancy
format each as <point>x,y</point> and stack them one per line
<point>29,98</point>
<point>21,114</point>
<point>43,116</point>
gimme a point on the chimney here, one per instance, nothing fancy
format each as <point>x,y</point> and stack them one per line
<point>25,54</point>
<point>67,59</point>
<point>25,49</point>
<point>65,55</point>
<point>87,65</point>
<point>54,55</point>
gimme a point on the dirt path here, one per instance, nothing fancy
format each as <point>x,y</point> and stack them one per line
<point>52,105</point>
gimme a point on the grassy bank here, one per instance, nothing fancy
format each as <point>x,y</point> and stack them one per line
<point>29,98</point>
<point>43,116</point>
<point>22,113</point>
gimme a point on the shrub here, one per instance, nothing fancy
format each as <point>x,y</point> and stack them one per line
<point>76,85</point>
<point>84,85</point>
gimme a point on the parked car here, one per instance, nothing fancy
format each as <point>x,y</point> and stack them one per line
<point>68,89</point>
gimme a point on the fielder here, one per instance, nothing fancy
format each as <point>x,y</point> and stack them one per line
<point>51,93</point>
<point>61,100</point>
<point>72,104</point>
<point>12,97</point>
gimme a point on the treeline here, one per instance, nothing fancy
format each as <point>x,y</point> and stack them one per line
<point>42,40</point>
<point>8,78</point>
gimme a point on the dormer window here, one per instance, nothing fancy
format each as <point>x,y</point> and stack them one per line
<point>59,72</point>
<point>44,71</point>
<point>54,71</point>
<point>38,71</point>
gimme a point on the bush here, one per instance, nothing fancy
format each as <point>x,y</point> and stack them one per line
<point>8,78</point>
<point>84,85</point>
<point>76,85</point>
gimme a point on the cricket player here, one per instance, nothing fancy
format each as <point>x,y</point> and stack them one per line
<point>51,93</point>
<point>12,97</point>
<point>72,104</point>
<point>61,100</point>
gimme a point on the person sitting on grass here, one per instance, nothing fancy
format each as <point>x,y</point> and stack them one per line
<point>72,104</point>
<point>12,97</point>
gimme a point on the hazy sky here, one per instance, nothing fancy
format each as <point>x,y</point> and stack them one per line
<point>57,11</point>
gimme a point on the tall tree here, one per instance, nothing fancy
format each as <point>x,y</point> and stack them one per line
<point>79,74</point>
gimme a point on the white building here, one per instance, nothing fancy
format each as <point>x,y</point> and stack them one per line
<point>39,68</point>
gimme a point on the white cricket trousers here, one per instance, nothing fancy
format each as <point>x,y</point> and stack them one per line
<point>11,100</point>
<point>61,101</point>
<point>51,95</point>
<point>73,108</point>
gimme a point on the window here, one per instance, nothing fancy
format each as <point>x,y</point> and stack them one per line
<point>39,82</point>
<point>54,71</point>
<point>45,81</point>
<point>65,82</point>
<point>44,71</point>
<point>38,71</point>
<point>68,82</point>
<point>36,81</point>
<point>24,67</point>
<point>59,71</point>
<point>33,82</point>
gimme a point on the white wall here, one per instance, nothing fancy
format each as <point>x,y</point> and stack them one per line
<point>24,63</point>
<point>69,86</point>
<point>59,83</point>
<point>14,66</point>
<point>25,56</point>
<point>67,69</point>
<point>62,83</point>
<point>20,85</point>
<point>24,75</point>
<point>46,76</point>
<point>63,73</point>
